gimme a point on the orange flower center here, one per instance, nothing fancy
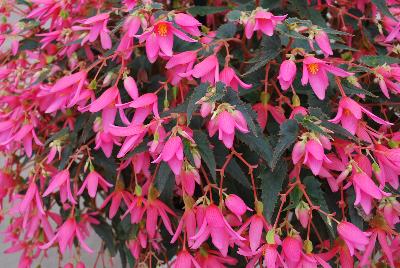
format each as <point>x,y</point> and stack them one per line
<point>162,28</point>
<point>313,68</point>
<point>347,112</point>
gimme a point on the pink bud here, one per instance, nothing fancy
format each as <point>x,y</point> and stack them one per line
<point>206,109</point>
<point>322,40</point>
<point>287,73</point>
<point>235,204</point>
<point>302,215</point>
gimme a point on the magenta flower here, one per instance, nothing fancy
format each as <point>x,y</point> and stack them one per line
<point>116,197</point>
<point>287,73</point>
<point>185,260</point>
<point>229,77</point>
<point>98,27</point>
<point>263,21</point>
<point>352,236</point>
<point>390,208</point>
<point>61,182</point>
<point>188,23</point>
<point>236,205</point>
<point>180,66</point>
<point>160,38</point>
<point>91,182</point>
<point>207,70</point>
<point>315,73</point>
<point>66,235</point>
<point>226,123</point>
<point>172,153</point>
<point>292,250</point>
<point>221,232</point>
<point>350,112</point>
<point>32,197</point>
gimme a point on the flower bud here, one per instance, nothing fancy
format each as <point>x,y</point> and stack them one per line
<point>302,213</point>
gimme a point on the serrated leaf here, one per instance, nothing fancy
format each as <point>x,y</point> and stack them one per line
<point>206,10</point>
<point>271,186</point>
<point>162,177</point>
<point>258,144</point>
<point>57,135</point>
<point>234,15</point>
<point>354,217</point>
<point>105,232</point>
<point>317,196</point>
<point>374,61</point>
<point>226,30</point>
<point>349,89</point>
<point>288,135</point>
<point>197,94</point>
<point>234,170</point>
<point>205,151</point>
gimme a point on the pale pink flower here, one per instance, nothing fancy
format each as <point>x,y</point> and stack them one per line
<point>315,72</point>
<point>226,123</point>
<point>160,38</point>
<point>207,70</point>
<point>66,234</point>
<point>98,27</point>
<point>263,21</point>
<point>185,260</point>
<point>188,23</point>
<point>350,113</point>
<point>91,182</point>
<point>172,153</point>
<point>229,77</point>
<point>352,236</point>
<point>215,225</point>
<point>287,73</point>
<point>61,182</point>
<point>388,79</point>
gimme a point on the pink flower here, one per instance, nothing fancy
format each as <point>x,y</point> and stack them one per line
<point>236,205</point>
<point>116,197</point>
<point>302,213</point>
<point>226,122</point>
<point>185,260</point>
<point>263,21</point>
<point>229,77</point>
<point>389,164</point>
<point>207,70</point>
<point>66,235</point>
<point>221,232</point>
<point>292,250</point>
<point>61,181</point>
<point>315,73</point>
<point>98,26</point>
<point>160,38</point>
<point>207,258</point>
<point>188,222</point>
<point>180,66</point>
<point>322,40</point>
<point>172,153</point>
<point>350,112</point>
<point>390,208</point>
<point>188,178</point>
<point>352,236</point>
<point>388,79</point>
<point>32,194</point>
<point>287,73</point>
<point>188,23</point>
<point>92,180</point>
<point>256,224</point>
<point>383,239</point>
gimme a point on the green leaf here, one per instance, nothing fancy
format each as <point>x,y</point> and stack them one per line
<point>317,196</point>
<point>205,151</point>
<point>234,170</point>
<point>381,5</point>
<point>105,232</point>
<point>270,49</point>
<point>234,15</point>
<point>374,61</point>
<point>271,186</point>
<point>288,135</point>
<point>61,133</point>
<point>198,93</point>
<point>355,218</point>
<point>349,89</point>
<point>28,44</point>
<point>206,10</point>
<point>226,30</point>
<point>259,144</point>
<point>162,177</point>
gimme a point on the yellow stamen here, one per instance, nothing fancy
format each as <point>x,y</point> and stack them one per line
<point>313,68</point>
<point>162,29</point>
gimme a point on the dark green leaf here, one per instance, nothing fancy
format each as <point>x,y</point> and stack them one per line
<point>234,170</point>
<point>205,10</point>
<point>271,186</point>
<point>288,135</point>
<point>106,234</point>
<point>234,15</point>
<point>226,30</point>
<point>354,217</point>
<point>198,93</point>
<point>205,151</point>
<point>63,132</point>
<point>374,61</point>
<point>162,177</point>
<point>259,144</point>
<point>381,5</point>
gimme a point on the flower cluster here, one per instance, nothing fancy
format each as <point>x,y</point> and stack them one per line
<point>147,123</point>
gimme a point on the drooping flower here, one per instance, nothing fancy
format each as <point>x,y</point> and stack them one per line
<point>322,40</point>
<point>98,27</point>
<point>188,178</point>
<point>172,153</point>
<point>350,112</point>
<point>61,182</point>
<point>236,205</point>
<point>215,225</point>
<point>188,23</point>
<point>207,70</point>
<point>263,21</point>
<point>229,77</point>
<point>354,237</point>
<point>180,66</point>
<point>287,73</point>
<point>160,38</point>
<point>315,72</point>
<point>302,213</point>
<point>292,250</point>
<point>185,260</point>
<point>91,182</point>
